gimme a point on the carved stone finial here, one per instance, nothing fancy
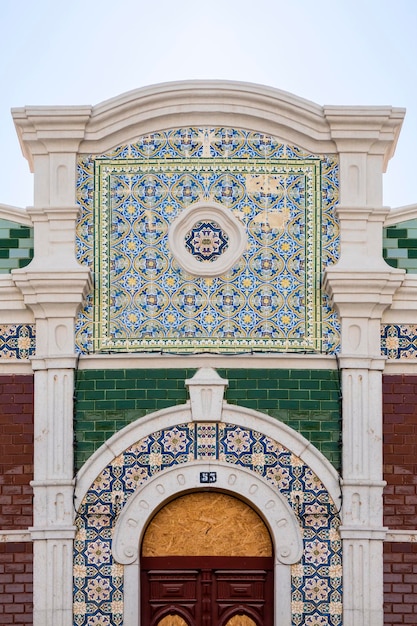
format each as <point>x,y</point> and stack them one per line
<point>206,390</point>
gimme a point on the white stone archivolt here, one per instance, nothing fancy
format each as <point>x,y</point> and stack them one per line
<point>268,502</point>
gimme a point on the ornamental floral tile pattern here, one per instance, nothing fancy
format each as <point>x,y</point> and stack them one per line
<point>270,300</point>
<point>17,341</point>
<point>316,579</point>
<point>399,341</point>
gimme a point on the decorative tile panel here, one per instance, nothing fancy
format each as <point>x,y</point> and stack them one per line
<point>399,341</point>
<point>316,579</point>
<point>17,341</point>
<point>269,300</point>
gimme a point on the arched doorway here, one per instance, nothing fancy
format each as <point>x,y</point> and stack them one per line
<point>113,527</point>
<point>207,558</point>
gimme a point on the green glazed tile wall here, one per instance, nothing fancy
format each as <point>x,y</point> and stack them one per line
<point>400,246</point>
<point>16,245</point>
<point>305,400</point>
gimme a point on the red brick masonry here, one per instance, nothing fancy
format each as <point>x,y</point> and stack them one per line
<point>400,452</point>
<point>16,451</point>
<point>400,497</point>
<point>16,584</point>
<point>16,471</point>
<point>400,584</point>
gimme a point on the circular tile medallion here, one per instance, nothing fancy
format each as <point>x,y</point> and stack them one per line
<point>207,239</point>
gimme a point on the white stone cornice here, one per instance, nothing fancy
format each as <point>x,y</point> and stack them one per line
<point>368,212</point>
<point>57,534</point>
<point>45,129</point>
<point>353,532</point>
<point>15,214</point>
<point>286,360</point>
<point>407,536</point>
<point>54,295</point>
<point>374,130</point>
<point>53,292</point>
<point>401,214</point>
<point>58,362</point>
<point>43,214</point>
<point>361,292</point>
<point>15,366</point>
<point>71,129</point>
<point>394,367</point>
<point>10,296</point>
<point>404,302</point>
<point>355,362</point>
<point>14,536</point>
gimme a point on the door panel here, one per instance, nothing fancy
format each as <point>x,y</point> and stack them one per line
<point>207,591</point>
<point>174,620</point>
<point>240,620</point>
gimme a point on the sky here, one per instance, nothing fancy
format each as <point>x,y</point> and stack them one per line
<point>353,52</point>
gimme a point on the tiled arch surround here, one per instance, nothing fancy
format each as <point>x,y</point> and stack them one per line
<point>255,458</point>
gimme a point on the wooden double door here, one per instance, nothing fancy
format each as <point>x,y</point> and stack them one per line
<point>207,591</point>
<point>207,560</point>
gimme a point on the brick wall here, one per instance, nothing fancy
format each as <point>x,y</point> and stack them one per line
<point>16,471</point>
<point>400,584</point>
<point>16,451</point>
<point>400,452</point>
<point>400,497</point>
<point>306,400</point>
<point>16,584</point>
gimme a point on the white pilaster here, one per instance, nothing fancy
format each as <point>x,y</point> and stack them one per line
<point>362,531</point>
<point>361,286</point>
<point>53,287</point>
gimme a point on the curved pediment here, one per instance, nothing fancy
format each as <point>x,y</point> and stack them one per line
<point>121,120</point>
<point>217,103</point>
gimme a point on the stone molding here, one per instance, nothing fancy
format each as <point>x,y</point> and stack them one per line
<point>401,214</point>
<point>266,500</point>
<point>15,214</point>
<point>14,536</point>
<point>45,129</point>
<point>370,130</point>
<point>281,520</point>
<point>401,536</point>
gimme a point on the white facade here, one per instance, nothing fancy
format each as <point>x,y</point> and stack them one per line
<point>363,289</point>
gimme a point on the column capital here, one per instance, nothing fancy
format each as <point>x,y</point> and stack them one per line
<point>361,292</point>
<point>373,130</point>
<point>46,129</point>
<point>52,291</point>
